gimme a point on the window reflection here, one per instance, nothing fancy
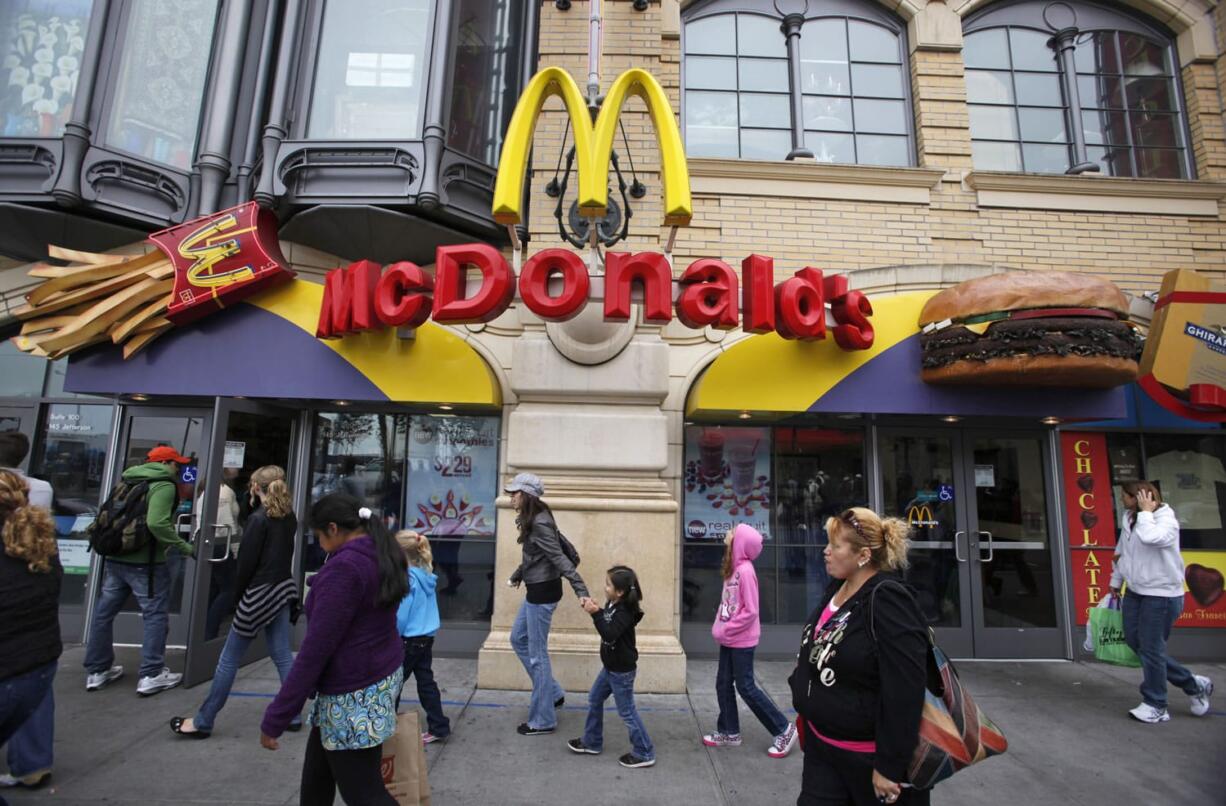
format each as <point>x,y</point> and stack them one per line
<point>484,81</point>
<point>41,42</point>
<point>165,60</point>
<point>371,69</point>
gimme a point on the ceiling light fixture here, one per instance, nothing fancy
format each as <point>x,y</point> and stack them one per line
<point>745,415</point>
<point>139,397</point>
<point>951,418</point>
<point>1051,421</point>
<point>445,406</point>
<point>341,402</point>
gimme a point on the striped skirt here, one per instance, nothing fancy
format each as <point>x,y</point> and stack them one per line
<point>260,604</point>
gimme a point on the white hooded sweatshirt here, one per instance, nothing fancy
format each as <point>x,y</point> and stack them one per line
<point>1147,554</point>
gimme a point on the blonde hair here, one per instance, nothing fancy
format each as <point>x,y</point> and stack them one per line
<point>416,549</point>
<point>28,532</point>
<point>885,538</point>
<point>276,498</point>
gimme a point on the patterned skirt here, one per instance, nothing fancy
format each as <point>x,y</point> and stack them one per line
<point>358,719</point>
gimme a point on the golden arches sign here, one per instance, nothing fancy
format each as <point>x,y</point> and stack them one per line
<point>921,515</point>
<point>593,144</point>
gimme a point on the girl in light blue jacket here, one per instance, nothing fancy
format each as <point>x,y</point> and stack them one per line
<point>1147,560</point>
<point>418,621</point>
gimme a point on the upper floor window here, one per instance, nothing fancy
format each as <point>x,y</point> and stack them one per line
<point>41,43</point>
<point>1060,88</point>
<point>488,57</point>
<point>837,90</point>
<point>370,71</point>
<point>163,68</point>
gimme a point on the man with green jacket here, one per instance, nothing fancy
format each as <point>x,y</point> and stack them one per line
<point>129,573</point>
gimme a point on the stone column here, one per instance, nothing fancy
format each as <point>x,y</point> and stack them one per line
<point>588,419</point>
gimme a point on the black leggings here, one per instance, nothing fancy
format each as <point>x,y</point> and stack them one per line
<point>357,773</point>
<point>835,777</point>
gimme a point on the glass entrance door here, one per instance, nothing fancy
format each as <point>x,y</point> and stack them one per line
<point>982,549</point>
<point>246,436</point>
<point>185,430</point>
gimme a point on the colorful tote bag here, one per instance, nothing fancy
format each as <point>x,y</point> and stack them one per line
<point>954,733</point>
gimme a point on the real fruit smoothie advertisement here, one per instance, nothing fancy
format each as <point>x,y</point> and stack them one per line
<point>727,480</point>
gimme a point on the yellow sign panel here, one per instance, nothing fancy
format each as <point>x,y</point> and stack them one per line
<point>593,144</point>
<point>921,515</point>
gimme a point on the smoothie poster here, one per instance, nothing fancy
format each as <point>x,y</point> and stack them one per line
<point>727,480</point>
<point>453,475</point>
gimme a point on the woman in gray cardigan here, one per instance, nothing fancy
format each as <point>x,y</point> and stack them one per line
<point>541,571</point>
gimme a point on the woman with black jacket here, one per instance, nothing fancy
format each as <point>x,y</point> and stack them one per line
<point>265,591</point>
<point>541,571</point>
<point>30,647</point>
<point>858,688</point>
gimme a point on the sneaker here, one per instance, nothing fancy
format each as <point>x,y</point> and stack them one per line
<point>631,760</point>
<point>1200,702</point>
<point>525,729</point>
<point>32,781</point>
<point>1148,713</point>
<point>97,680</point>
<point>722,739</point>
<point>430,738</point>
<point>577,746</point>
<point>152,685</point>
<point>783,743</point>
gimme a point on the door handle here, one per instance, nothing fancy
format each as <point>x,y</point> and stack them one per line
<point>957,554</point>
<point>991,549</point>
<point>222,529</point>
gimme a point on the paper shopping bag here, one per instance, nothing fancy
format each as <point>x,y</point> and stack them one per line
<point>404,763</point>
<point>1107,624</point>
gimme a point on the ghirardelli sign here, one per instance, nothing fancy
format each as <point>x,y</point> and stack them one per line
<point>1184,364</point>
<point>221,259</point>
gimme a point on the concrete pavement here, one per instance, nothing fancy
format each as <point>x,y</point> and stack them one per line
<point>1071,743</point>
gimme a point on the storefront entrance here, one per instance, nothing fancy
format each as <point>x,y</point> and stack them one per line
<point>246,436</point>
<point>984,551</point>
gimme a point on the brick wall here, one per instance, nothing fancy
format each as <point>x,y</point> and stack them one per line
<point>1134,250</point>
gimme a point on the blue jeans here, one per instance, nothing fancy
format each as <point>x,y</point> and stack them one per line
<point>530,640</point>
<point>1147,626</point>
<point>621,686</point>
<point>736,669</point>
<point>418,661</point>
<point>20,696</point>
<point>30,748</point>
<point>276,633</point>
<point>118,580</point>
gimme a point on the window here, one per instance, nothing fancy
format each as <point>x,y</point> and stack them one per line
<point>485,75</point>
<point>1102,95</point>
<point>840,92</point>
<point>155,112</point>
<point>371,69</point>
<point>41,43</point>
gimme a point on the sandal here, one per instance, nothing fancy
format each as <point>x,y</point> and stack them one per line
<point>176,727</point>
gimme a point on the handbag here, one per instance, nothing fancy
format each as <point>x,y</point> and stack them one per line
<point>954,733</point>
<point>1107,627</point>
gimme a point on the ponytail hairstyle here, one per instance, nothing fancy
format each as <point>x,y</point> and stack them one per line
<point>532,506</point>
<point>416,549</point>
<point>626,582</point>
<point>276,497</point>
<point>887,539</point>
<point>28,532</point>
<point>351,515</point>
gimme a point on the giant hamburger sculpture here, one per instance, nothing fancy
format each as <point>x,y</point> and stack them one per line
<point>1029,329</point>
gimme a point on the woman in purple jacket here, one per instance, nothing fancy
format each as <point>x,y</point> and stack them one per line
<point>350,659</point>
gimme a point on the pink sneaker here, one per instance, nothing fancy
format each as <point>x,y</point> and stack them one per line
<point>430,738</point>
<point>722,739</point>
<point>783,743</point>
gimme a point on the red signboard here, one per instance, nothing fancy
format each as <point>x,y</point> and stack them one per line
<point>221,259</point>
<point>1089,515</point>
<point>364,297</point>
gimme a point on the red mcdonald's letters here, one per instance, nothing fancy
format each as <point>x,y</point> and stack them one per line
<point>361,297</point>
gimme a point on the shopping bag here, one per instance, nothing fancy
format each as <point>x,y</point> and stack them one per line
<point>1107,626</point>
<point>404,763</point>
<point>1106,601</point>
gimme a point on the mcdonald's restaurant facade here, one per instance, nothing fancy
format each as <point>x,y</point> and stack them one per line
<point>745,348</point>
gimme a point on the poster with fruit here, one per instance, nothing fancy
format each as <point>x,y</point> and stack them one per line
<point>727,480</point>
<point>453,476</point>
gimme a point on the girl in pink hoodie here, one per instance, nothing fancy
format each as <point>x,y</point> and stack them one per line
<point>737,629</point>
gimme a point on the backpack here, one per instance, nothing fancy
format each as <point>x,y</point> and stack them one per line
<point>119,527</point>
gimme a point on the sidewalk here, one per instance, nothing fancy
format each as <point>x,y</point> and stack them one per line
<point>1071,742</point>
